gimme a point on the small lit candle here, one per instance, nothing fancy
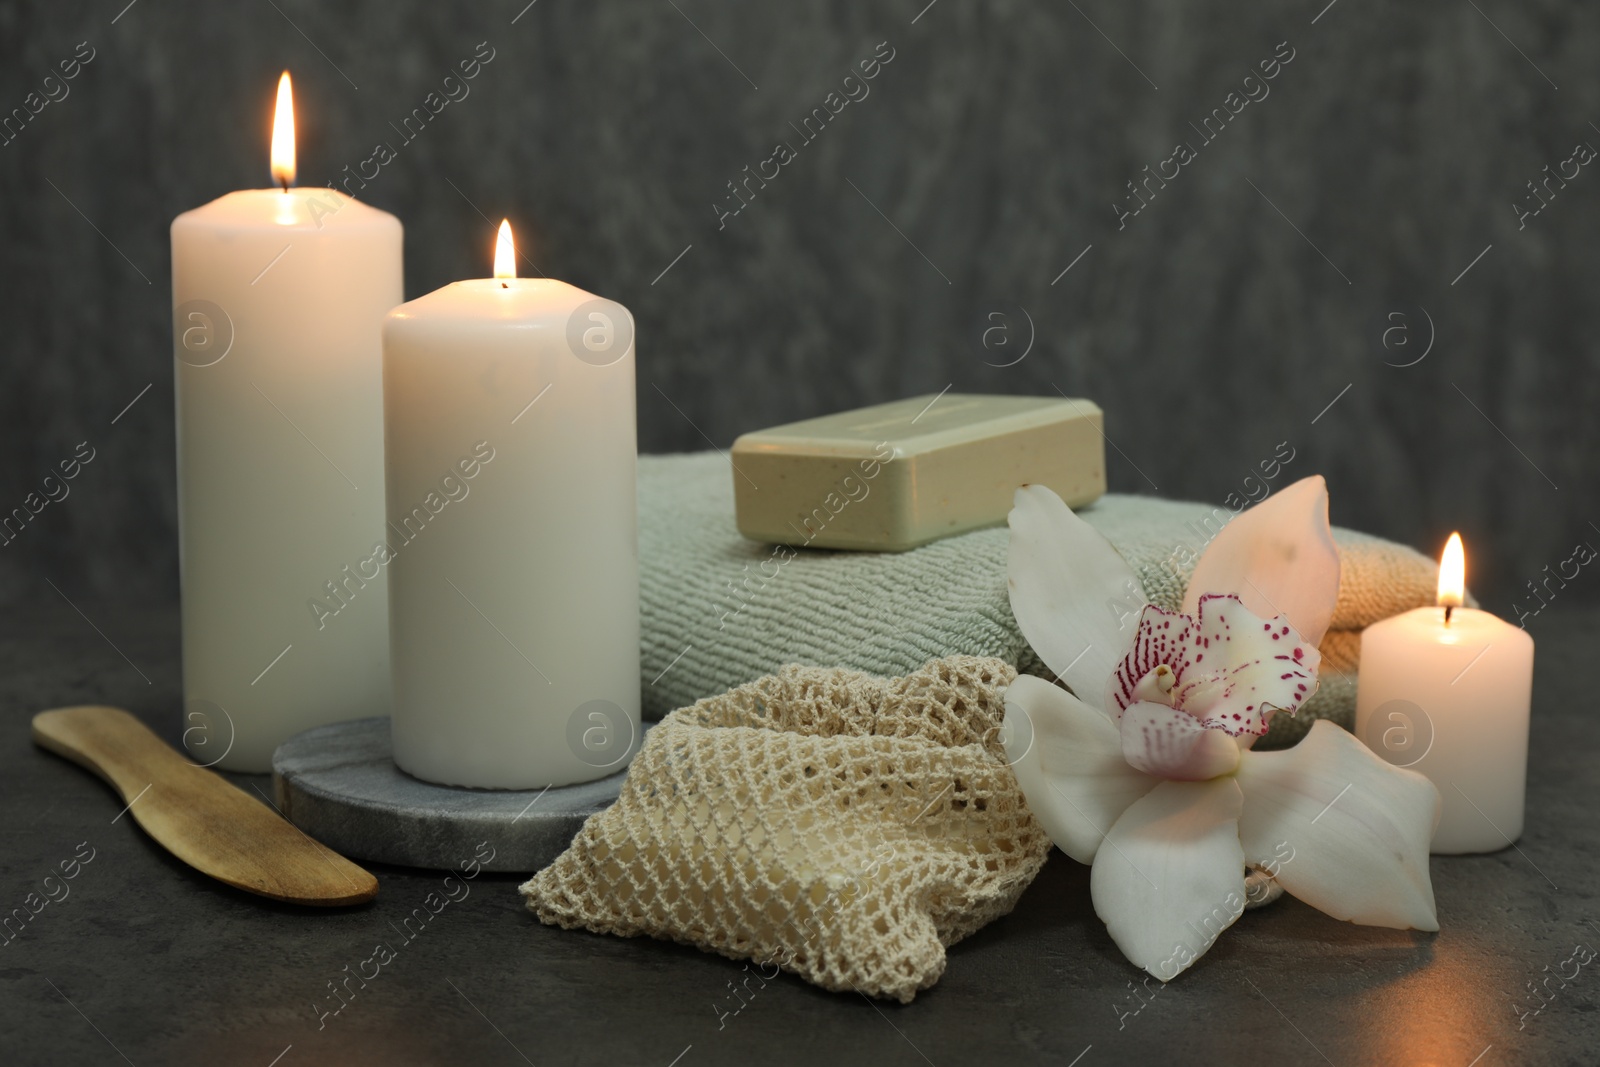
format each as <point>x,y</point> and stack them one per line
<point>278,302</point>
<point>513,552</point>
<point>1446,691</point>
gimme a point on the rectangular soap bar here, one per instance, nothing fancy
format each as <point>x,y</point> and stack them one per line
<point>893,476</point>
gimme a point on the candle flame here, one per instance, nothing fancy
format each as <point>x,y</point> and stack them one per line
<point>505,252</point>
<point>1452,573</point>
<point>283,135</point>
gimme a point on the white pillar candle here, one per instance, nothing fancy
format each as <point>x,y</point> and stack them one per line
<point>1446,691</point>
<point>278,304</point>
<point>513,569</point>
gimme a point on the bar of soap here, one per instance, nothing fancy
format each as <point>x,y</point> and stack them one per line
<point>893,476</point>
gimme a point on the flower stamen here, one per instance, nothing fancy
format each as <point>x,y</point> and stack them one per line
<point>1156,686</point>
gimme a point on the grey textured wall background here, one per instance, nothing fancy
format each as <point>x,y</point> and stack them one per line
<point>1249,295</point>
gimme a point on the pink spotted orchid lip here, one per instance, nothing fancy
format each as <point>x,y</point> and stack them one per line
<point>1229,668</point>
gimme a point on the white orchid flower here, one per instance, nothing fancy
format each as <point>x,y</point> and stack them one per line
<point>1145,770</point>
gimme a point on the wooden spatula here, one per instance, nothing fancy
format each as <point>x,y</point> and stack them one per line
<point>198,815</point>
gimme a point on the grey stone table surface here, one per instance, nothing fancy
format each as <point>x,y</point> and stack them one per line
<point>146,962</point>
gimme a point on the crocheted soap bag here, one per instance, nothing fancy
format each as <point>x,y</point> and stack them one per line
<point>844,827</point>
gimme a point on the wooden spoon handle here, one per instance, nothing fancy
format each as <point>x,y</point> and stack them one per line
<point>198,815</point>
<point>111,743</point>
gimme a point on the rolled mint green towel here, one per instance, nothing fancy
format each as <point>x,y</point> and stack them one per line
<point>720,611</point>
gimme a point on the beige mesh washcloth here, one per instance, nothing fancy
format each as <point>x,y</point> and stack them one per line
<point>841,826</point>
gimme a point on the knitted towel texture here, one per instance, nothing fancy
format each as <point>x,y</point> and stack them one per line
<point>719,611</point>
<point>841,826</point>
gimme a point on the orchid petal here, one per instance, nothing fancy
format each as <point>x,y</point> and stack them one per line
<point>1172,875</point>
<point>1229,669</point>
<point>1067,757</point>
<point>1279,557</point>
<point>1075,599</point>
<point>1342,830</point>
<point>1169,743</point>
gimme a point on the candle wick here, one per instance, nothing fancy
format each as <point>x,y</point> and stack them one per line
<point>505,285</point>
<point>1448,608</point>
<point>284,181</point>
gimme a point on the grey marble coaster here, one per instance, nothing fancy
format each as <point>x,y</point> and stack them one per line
<point>340,785</point>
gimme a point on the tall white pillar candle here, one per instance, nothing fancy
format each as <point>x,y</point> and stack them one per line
<point>513,552</point>
<point>1446,691</point>
<point>278,304</point>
